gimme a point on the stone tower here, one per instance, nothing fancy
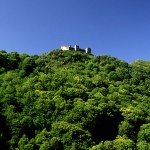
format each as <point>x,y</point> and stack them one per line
<point>76,47</point>
<point>88,50</point>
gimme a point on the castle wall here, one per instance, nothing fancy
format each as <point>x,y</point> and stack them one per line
<point>66,48</point>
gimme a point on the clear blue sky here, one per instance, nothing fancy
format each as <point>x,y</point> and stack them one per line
<point>120,28</point>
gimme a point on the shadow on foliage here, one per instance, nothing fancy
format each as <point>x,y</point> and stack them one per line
<point>5,133</point>
<point>106,127</point>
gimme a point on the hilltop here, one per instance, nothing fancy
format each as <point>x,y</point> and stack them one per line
<point>68,100</point>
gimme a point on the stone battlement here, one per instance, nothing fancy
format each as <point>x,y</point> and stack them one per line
<point>76,48</point>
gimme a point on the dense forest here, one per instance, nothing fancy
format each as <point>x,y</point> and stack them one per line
<point>66,100</point>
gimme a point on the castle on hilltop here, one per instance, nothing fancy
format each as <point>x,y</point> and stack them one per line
<point>76,48</point>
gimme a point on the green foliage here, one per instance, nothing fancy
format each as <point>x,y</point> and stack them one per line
<point>66,100</point>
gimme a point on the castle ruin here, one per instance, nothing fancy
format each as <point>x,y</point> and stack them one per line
<point>76,48</point>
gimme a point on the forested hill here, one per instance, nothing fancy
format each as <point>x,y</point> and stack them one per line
<point>65,100</point>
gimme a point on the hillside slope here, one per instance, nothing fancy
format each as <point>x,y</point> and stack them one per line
<point>73,101</point>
